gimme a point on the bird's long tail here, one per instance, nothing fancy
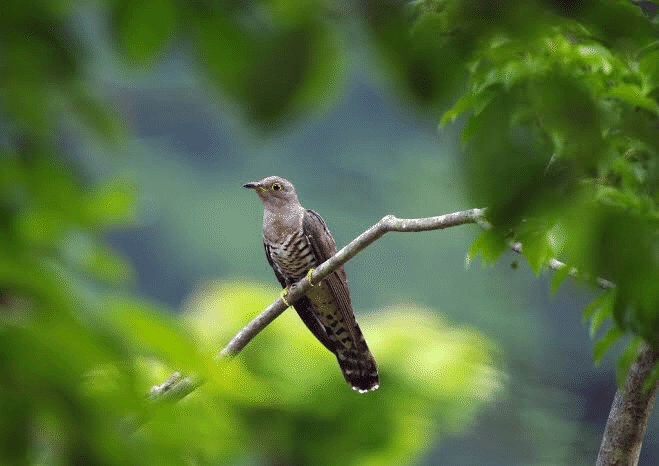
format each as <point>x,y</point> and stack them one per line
<point>359,368</point>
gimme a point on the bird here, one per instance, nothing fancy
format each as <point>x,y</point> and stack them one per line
<point>296,241</point>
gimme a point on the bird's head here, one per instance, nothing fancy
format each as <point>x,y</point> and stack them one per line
<point>274,191</point>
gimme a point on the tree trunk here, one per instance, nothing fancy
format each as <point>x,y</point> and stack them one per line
<point>628,419</point>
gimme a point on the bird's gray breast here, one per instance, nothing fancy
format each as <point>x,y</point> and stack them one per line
<point>293,255</point>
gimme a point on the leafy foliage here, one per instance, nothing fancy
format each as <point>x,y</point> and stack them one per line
<point>561,141</point>
<point>285,383</point>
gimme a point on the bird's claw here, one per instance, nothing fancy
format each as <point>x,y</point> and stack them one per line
<point>309,276</point>
<point>283,294</point>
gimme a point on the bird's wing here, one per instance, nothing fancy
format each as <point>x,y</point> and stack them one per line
<point>302,307</point>
<point>274,266</point>
<point>323,247</point>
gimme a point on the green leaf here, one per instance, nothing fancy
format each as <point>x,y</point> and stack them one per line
<point>427,63</point>
<point>489,245</point>
<point>464,103</point>
<point>595,304</point>
<point>285,61</point>
<point>112,204</point>
<point>649,68</point>
<point>41,227</point>
<point>152,332</point>
<point>615,197</point>
<point>145,27</point>
<point>626,359</point>
<point>105,264</point>
<point>92,113</point>
<point>559,277</point>
<point>598,57</point>
<point>537,249</point>
<point>599,310</point>
<point>227,50</point>
<point>651,379</point>
<point>633,95</point>
<point>603,344</point>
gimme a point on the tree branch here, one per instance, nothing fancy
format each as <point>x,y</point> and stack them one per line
<point>628,418</point>
<point>555,264</point>
<point>177,387</point>
<point>385,225</point>
<point>174,388</point>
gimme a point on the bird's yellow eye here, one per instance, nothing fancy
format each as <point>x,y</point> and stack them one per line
<point>276,187</point>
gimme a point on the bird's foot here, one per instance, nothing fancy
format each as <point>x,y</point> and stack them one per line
<point>309,276</point>
<point>283,294</point>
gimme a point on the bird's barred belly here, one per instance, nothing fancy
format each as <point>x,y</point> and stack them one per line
<point>293,256</point>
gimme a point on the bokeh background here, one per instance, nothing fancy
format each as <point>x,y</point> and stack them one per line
<point>481,365</point>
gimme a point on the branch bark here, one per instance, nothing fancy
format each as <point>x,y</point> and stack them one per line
<point>385,225</point>
<point>177,387</point>
<point>555,264</point>
<point>628,418</point>
<point>174,388</point>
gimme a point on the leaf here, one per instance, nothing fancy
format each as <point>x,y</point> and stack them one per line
<point>462,105</point>
<point>111,204</point>
<point>109,266</point>
<point>92,113</point>
<point>490,245</point>
<point>626,359</point>
<point>559,277</point>
<point>603,344</point>
<point>427,63</point>
<point>649,68</point>
<point>615,197</point>
<point>633,95</point>
<point>537,250</point>
<point>41,227</point>
<point>651,380</point>
<point>590,308</point>
<point>152,332</point>
<point>285,62</point>
<point>598,57</point>
<point>145,27</point>
<point>600,309</point>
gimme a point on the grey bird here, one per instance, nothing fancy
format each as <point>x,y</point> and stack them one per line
<point>296,241</point>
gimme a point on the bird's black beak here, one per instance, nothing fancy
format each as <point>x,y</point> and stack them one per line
<point>251,185</point>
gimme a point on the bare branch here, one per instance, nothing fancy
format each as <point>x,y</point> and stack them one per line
<point>628,418</point>
<point>555,264</point>
<point>386,224</point>
<point>177,387</point>
<point>174,388</point>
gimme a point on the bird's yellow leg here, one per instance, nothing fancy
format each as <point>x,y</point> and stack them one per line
<point>309,276</point>
<point>283,294</point>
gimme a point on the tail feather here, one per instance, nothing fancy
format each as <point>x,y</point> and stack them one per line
<point>359,369</point>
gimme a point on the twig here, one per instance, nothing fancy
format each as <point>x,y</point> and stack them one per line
<point>387,224</point>
<point>556,265</point>
<point>177,387</point>
<point>174,388</point>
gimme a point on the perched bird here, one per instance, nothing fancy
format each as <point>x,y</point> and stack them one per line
<point>296,241</point>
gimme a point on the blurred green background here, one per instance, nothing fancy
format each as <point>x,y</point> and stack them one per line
<point>129,250</point>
